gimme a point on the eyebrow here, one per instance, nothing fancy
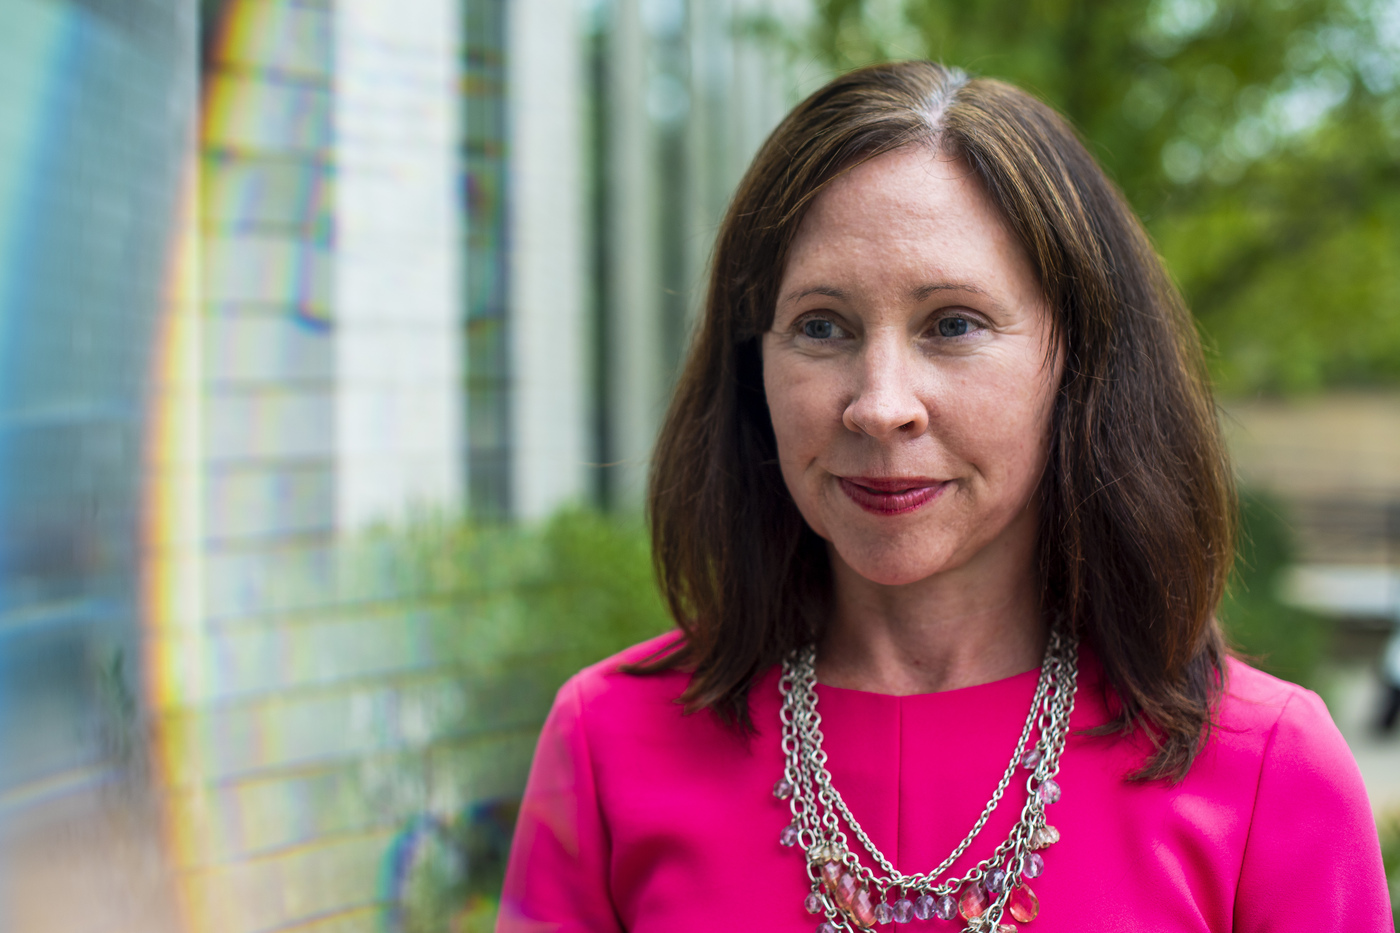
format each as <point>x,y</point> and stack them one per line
<point>918,294</point>
<point>825,290</point>
<point>923,291</point>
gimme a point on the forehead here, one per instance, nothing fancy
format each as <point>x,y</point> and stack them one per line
<point>911,212</point>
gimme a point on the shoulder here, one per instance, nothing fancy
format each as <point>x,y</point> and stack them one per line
<point>1284,735</point>
<point>1310,826</point>
<point>610,698</point>
<point>1274,714</point>
<point>608,678</point>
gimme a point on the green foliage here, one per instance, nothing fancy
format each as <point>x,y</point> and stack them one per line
<point>517,610</point>
<point>1389,826</point>
<point>592,593</point>
<point>555,597</point>
<point>1278,638</point>
<point>1260,139</point>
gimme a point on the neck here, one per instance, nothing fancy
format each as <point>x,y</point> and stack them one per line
<point>959,628</point>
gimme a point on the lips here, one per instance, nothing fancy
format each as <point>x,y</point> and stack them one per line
<point>891,495</point>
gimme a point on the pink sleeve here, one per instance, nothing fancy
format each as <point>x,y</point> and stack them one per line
<point>1312,861</point>
<point>556,879</point>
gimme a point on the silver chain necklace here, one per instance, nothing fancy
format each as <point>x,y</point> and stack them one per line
<point>853,897</point>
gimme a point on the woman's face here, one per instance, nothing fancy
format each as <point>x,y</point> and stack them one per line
<point>910,373</point>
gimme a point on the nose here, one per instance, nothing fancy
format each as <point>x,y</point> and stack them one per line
<point>886,402</point>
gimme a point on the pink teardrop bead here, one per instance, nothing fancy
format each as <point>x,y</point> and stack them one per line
<point>972,900</point>
<point>831,873</point>
<point>861,908</point>
<point>1023,903</point>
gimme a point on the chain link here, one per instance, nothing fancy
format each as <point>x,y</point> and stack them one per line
<point>818,810</point>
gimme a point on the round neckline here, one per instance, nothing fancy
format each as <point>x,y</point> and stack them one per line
<point>1011,681</point>
<point>1089,674</point>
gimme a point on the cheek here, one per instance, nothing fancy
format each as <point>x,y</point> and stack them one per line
<point>800,412</point>
<point>800,408</point>
<point>1004,426</point>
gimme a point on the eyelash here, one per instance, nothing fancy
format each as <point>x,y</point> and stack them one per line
<point>934,327</point>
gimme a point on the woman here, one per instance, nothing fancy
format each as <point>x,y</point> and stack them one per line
<point>942,513</point>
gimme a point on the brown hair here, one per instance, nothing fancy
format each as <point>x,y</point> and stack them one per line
<point>1137,517</point>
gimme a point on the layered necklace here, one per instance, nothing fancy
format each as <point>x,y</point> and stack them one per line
<point>851,896</point>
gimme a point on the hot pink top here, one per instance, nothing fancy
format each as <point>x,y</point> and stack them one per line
<point>639,818</point>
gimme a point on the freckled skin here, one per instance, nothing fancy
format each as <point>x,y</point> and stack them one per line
<point>911,340</point>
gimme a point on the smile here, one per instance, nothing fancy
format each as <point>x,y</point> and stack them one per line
<point>891,496</point>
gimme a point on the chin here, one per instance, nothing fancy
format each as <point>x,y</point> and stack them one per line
<point>891,566</point>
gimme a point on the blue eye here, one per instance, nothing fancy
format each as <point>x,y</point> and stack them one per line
<point>952,327</point>
<point>818,329</point>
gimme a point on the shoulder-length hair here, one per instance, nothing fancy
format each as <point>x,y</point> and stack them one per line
<point>1137,505</point>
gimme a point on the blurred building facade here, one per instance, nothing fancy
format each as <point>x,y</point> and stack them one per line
<point>97,108</point>
<point>275,274</point>
<point>1333,463</point>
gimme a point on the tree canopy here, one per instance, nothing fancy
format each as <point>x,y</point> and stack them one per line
<point>1258,139</point>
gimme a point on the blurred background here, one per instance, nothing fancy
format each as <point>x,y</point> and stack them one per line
<point>334,335</point>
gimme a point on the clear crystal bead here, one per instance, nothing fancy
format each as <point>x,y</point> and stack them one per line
<point>995,880</point>
<point>884,913</point>
<point>1034,866</point>
<point>903,911</point>
<point>1049,791</point>
<point>813,903</point>
<point>1031,759</point>
<point>923,906</point>
<point>783,789</point>
<point>945,907</point>
<point>789,835</point>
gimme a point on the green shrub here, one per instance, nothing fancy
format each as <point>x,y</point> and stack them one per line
<point>1281,639</point>
<point>516,610</point>
<point>1389,826</point>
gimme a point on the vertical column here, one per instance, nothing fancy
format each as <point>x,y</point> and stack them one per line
<point>740,89</point>
<point>547,196</point>
<point>398,347</point>
<point>633,305</point>
<point>485,109</point>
